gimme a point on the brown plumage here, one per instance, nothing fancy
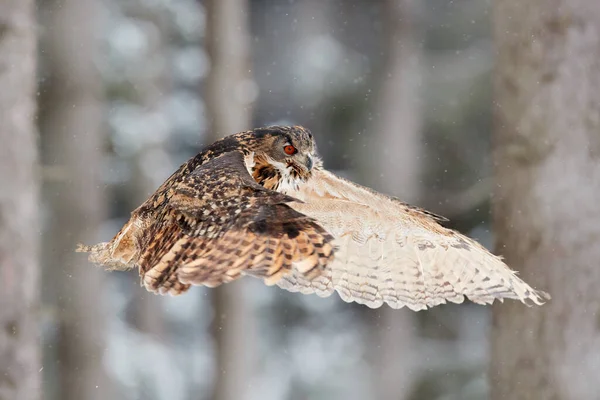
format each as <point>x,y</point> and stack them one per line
<point>259,203</point>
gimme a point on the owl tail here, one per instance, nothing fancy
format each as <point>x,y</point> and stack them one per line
<point>120,254</point>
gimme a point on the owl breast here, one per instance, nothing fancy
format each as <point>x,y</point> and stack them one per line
<point>271,174</point>
<point>263,172</point>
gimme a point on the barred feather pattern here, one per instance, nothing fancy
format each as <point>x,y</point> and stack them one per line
<point>390,252</point>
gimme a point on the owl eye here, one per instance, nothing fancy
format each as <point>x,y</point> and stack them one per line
<point>289,150</point>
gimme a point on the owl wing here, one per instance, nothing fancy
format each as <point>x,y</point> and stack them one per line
<point>214,225</point>
<point>390,252</point>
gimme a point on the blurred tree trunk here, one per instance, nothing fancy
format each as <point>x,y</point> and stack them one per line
<point>19,223</point>
<point>72,135</point>
<point>228,46</point>
<point>147,311</point>
<point>547,205</point>
<point>396,135</point>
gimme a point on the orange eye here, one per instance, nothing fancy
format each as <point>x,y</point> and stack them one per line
<point>290,150</point>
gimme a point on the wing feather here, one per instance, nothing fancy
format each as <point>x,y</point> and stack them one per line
<point>212,225</point>
<point>390,252</point>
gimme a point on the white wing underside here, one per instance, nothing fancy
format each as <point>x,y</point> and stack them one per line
<point>391,253</point>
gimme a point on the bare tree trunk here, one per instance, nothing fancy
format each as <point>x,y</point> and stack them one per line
<point>547,205</point>
<point>398,126</point>
<point>19,224</point>
<point>150,91</point>
<point>228,99</point>
<point>396,170</point>
<point>229,86</point>
<point>71,125</point>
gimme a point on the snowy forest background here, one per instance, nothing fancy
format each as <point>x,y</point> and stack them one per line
<point>484,111</point>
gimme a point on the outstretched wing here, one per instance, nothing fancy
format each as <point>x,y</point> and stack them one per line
<point>212,226</point>
<point>389,252</point>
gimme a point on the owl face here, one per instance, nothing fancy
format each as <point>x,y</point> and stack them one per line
<point>291,150</point>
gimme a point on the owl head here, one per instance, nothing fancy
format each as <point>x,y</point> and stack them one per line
<point>291,150</point>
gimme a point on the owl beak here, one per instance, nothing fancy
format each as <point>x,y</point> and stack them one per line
<point>309,162</point>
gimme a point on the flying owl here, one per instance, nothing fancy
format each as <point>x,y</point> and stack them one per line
<point>260,203</point>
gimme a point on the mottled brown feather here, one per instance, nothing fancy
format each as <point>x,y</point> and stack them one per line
<point>210,223</point>
<point>242,207</point>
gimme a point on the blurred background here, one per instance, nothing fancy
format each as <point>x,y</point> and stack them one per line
<point>398,94</point>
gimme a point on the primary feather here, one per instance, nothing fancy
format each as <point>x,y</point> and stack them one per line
<point>253,204</point>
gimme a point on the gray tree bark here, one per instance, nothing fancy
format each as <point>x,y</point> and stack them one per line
<point>230,82</point>
<point>396,133</point>
<point>229,111</point>
<point>547,204</point>
<point>71,124</point>
<point>150,91</point>
<point>19,223</point>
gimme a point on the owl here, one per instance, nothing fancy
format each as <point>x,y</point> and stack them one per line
<point>260,203</point>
